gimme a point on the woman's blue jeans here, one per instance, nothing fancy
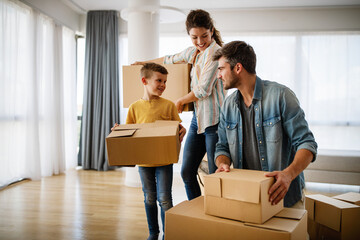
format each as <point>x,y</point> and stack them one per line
<point>194,150</point>
<point>156,185</point>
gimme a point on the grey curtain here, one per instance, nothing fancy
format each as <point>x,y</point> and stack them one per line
<point>101,88</point>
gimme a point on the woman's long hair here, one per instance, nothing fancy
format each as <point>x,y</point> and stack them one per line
<point>200,18</point>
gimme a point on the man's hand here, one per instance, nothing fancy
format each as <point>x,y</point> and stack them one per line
<point>223,164</point>
<point>182,132</point>
<point>223,167</point>
<point>279,189</point>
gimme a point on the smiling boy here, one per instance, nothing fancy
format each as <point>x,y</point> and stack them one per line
<point>156,179</point>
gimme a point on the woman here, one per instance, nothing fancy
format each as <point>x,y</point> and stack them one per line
<point>207,94</point>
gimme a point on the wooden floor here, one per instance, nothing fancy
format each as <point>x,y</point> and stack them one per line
<point>76,205</point>
<point>80,205</point>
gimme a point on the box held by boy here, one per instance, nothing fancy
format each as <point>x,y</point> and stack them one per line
<point>240,195</point>
<point>330,218</point>
<point>177,85</point>
<point>145,143</point>
<point>187,220</point>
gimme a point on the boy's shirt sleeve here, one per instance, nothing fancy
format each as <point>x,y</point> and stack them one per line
<point>174,113</point>
<point>130,118</point>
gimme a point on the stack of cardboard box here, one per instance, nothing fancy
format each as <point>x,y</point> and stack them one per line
<point>335,217</point>
<point>235,206</point>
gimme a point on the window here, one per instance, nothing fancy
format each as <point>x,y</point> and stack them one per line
<point>322,69</point>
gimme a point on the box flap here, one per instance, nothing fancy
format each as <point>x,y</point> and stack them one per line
<point>350,197</point>
<point>122,133</point>
<point>212,186</point>
<point>331,201</point>
<point>291,213</point>
<point>278,224</point>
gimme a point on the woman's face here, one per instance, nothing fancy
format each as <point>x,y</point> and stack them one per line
<point>201,37</point>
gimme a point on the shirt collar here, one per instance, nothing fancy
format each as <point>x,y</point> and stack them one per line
<point>258,89</point>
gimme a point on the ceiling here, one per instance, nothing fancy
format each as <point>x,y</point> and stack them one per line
<point>87,5</point>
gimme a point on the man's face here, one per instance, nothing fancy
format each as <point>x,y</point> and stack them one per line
<point>228,76</point>
<point>156,84</point>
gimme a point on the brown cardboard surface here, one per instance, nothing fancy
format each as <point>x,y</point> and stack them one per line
<point>350,197</point>
<point>177,85</point>
<point>241,195</point>
<point>187,220</point>
<point>147,143</point>
<point>330,218</point>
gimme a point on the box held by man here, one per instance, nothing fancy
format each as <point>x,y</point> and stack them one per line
<point>240,195</point>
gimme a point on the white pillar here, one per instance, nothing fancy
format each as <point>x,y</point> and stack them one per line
<point>143,42</point>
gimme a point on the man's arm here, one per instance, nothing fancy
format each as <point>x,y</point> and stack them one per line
<point>283,178</point>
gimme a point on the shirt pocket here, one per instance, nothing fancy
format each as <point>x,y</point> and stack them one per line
<point>272,129</point>
<point>231,132</point>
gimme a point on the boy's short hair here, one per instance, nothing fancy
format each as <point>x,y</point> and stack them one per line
<point>238,52</point>
<point>148,68</point>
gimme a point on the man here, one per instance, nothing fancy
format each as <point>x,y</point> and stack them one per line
<point>262,126</point>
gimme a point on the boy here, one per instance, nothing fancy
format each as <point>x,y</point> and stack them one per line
<point>156,179</point>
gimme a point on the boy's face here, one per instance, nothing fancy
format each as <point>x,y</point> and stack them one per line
<point>156,84</point>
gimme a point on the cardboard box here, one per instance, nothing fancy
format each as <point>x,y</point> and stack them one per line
<point>332,218</point>
<point>241,195</point>
<point>350,197</point>
<point>146,143</point>
<point>187,220</point>
<point>177,85</point>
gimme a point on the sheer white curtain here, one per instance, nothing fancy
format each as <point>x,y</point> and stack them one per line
<point>37,94</point>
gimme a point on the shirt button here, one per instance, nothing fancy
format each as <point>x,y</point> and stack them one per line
<point>255,109</point>
<point>257,125</point>
<point>270,123</point>
<point>263,159</point>
<point>228,127</point>
<point>260,142</point>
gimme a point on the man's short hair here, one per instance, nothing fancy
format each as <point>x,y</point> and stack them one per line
<point>238,52</point>
<point>148,68</point>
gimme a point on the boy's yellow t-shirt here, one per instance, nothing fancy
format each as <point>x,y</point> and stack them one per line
<point>143,111</point>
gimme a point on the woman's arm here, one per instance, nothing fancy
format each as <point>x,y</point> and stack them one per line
<point>188,98</point>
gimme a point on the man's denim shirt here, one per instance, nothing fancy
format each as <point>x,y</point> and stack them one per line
<point>281,130</point>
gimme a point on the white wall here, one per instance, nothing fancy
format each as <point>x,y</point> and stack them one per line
<point>275,20</point>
